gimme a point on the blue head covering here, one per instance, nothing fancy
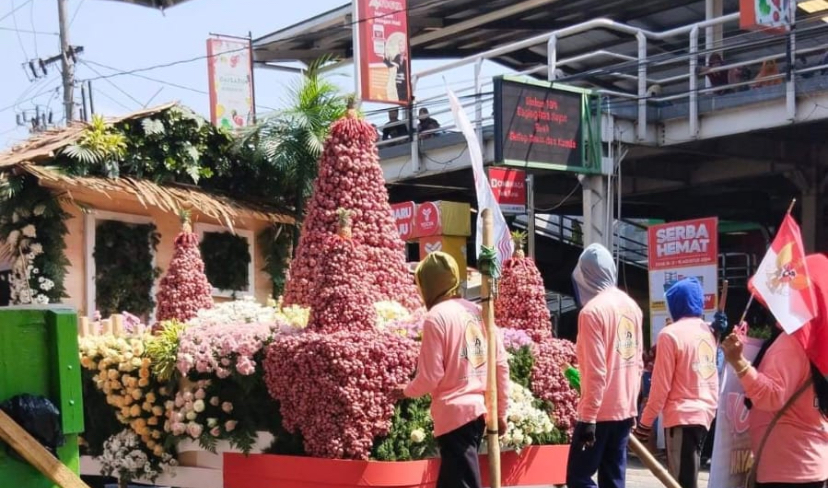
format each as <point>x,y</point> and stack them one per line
<point>685,299</point>
<point>594,273</point>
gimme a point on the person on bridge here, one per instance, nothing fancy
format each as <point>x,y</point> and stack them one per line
<point>685,385</point>
<point>610,358</point>
<point>788,400</point>
<point>452,369</point>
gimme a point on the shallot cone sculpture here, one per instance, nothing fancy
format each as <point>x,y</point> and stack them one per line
<point>184,289</point>
<point>521,303</point>
<point>350,177</point>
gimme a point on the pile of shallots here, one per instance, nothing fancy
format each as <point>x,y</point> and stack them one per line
<point>521,303</point>
<point>549,383</point>
<point>184,289</point>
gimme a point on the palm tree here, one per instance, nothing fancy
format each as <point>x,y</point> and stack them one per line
<point>291,140</point>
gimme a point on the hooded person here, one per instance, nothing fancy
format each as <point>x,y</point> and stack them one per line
<point>610,358</point>
<point>452,369</point>
<point>685,384</point>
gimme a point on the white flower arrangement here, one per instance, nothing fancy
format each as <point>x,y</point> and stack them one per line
<point>523,420</point>
<point>124,457</point>
<point>388,312</point>
<point>245,310</point>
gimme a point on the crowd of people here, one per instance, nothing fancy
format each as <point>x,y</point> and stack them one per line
<point>786,394</point>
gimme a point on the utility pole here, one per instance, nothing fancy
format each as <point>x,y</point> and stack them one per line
<point>67,64</point>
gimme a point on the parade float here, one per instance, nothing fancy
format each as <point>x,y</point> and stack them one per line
<point>299,392</point>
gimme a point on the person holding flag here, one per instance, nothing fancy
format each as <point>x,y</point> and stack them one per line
<point>685,384</point>
<point>610,358</point>
<point>786,386</point>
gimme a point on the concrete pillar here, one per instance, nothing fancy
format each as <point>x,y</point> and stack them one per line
<point>713,35</point>
<point>596,225</point>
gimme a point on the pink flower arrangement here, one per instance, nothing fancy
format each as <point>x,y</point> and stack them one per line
<point>549,383</point>
<point>514,339</point>
<point>221,349</point>
<point>336,389</point>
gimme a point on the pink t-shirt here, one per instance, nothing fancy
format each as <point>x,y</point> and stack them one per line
<point>797,448</point>
<point>609,349</point>
<point>452,366</point>
<point>685,385</point>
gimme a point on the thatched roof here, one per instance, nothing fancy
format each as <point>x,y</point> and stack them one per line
<point>35,154</point>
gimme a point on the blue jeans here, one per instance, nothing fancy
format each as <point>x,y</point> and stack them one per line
<point>608,457</point>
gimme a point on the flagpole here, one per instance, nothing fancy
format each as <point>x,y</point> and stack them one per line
<point>750,301</point>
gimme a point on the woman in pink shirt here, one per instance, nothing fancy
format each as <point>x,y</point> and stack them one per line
<point>795,452</point>
<point>452,369</point>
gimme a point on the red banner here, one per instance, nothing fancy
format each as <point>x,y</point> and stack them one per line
<point>383,55</point>
<point>683,244</point>
<point>404,218</point>
<point>509,188</point>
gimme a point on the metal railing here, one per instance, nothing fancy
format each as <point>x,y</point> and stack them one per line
<point>679,74</point>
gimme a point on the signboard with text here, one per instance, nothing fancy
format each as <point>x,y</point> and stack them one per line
<point>540,125</point>
<point>231,82</point>
<point>404,214</point>
<point>382,57</point>
<point>427,220</point>
<point>678,250</point>
<point>509,188</point>
<point>765,15</point>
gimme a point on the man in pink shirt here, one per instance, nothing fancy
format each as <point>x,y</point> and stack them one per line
<point>452,369</point>
<point>685,384</point>
<point>610,359</point>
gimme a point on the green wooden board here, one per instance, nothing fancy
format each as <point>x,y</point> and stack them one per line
<point>39,356</point>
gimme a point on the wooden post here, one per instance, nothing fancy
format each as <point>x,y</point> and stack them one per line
<point>118,325</point>
<point>486,288</point>
<point>83,326</point>
<point>36,455</point>
<point>106,327</point>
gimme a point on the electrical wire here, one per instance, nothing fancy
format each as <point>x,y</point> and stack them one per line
<point>17,31</point>
<point>77,9</point>
<point>113,99</point>
<point>114,85</point>
<point>32,22</point>
<point>33,32</point>
<point>15,9</point>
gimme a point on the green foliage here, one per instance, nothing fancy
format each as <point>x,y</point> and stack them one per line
<point>275,243</point>
<point>398,445</point>
<point>226,260</point>
<point>162,349</point>
<point>33,223</point>
<point>100,146</point>
<point>124,272</point>
<point>520,366</point>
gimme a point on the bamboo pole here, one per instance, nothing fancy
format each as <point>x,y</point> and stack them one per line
<point>652,463</point>
<point>486,288</point>
<point>117,325</point>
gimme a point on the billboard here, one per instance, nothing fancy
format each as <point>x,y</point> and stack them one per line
<point>230,71</point>
<point>404,214</point>
<point>678,250</point>
<point>382,56</point>
<point>509,188</point>
<point>771,16</point>
<point>541,125</point>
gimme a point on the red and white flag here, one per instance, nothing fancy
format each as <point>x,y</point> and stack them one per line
<point>782,281</point>
<point>814,335</point>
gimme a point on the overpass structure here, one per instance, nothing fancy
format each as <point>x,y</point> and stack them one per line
<point>674,146</point>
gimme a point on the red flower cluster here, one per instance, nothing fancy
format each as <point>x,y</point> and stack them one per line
<point>184,289</point>
<point>549,383</point>
<point>336,389</point>
<point>521,303</point>
<point>350,177</point>
<point>342,298</point>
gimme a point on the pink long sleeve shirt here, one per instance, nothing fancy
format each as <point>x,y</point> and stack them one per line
<point>797,449</point>
<point>685,384</point>
<point>452,366</point>
<point>609,350</point>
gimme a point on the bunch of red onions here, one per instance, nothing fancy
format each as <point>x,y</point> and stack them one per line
<point>350,177</point>
<point>184,289</point>
<point>549,383</point>
<point>521,303</point>
<point>336,389</point>
<point>343,298</point>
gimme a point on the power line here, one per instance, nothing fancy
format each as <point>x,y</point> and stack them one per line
<point>15,9</point>
<point>17,31</point>
<point>114,85</point>
<point>77,9</point>
<point>99,91</point>
<point>163,82</point>
<point>33,32</point>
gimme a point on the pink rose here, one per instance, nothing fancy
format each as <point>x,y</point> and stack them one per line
<point>194,430</point>
<point>227,407</point>
<point>230,425</point>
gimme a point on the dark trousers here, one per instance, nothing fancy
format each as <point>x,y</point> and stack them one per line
<point>684,444</point>
<point>815,484</point>
<point>459,465</point>
<point>607,457</point>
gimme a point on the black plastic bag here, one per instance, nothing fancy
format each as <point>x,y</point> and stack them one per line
<point>39,417</point>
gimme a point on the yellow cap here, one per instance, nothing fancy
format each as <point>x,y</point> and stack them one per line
<point>438,278</point>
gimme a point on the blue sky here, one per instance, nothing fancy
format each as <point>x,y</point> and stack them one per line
<point>126,37</point>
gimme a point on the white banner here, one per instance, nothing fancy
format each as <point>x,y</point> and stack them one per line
<point>732,457</point>
<point>485,197</point>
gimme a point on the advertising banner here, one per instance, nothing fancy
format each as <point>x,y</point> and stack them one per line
<point>383,60</point>
<point>773,16</point>
<point>732,457</point>
<point>404,214</point>
<point>231,82</point>
<point>679,250</point>
<point>509,188</point>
